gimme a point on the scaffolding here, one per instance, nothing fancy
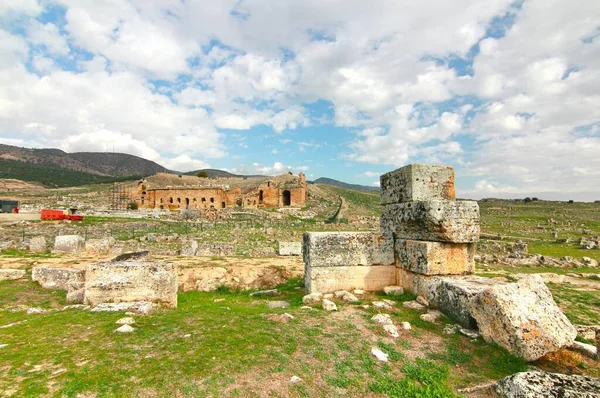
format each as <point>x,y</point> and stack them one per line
<point>119,196</point>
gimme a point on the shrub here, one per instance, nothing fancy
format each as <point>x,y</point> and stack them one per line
<point>132,206</point>
<point>202,174</point>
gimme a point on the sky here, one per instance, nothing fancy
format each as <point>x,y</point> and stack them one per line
<point>508,93</point>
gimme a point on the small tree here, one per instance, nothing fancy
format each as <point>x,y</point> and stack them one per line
<point>527,199</point>
<point>202,174</point>
<point>132,205</point>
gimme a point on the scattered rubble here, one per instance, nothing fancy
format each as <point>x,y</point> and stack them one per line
<point>547,385</point>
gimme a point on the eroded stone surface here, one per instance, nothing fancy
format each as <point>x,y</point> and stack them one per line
<point>37,244</point>
<point>435,258</point>
<point>436,220</point>
<point>331,279</point>
<point>548,385</point>
<point>417,182</point>
<point>290,248</point>
<point>340,249</point>
<point>73,244</point>
<point>523,318</point>
<point>130,281</point>
<point>100,246</point>
<point>11,274</point>
<point>56,278</point>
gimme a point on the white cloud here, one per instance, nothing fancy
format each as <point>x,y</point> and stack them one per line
<point>277,168</point>
<point>48,36</point>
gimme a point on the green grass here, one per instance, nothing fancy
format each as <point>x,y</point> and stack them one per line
<point>581,307</point>
<point>17,253</point>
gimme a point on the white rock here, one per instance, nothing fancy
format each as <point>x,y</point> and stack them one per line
<point>586,349</point>
<point>286,315</point>
<point>329,305</point>
<point>382,356</point>
<point>340,294</point>
<point>405,326</point>
<point>312,298</point>
<point>295,379</point>
<point>125,329</point>
<point>421,300</point>
<point>547,385</point>
<point>11,274</point>
<point>328,296</point>
<point>277,304</point>
<point>393,290</point>
<point>383,319</point>
<point>381,304</point>
<point>451,329</point>
<point>391,303</point>
<point>391,330</point>
<point>413,305</point>
<point>350,298</point>
<point>35,310</point>
<point>140,307</point>
<point>470,333</point>
<point>358,292</point>
<point>219,300</point>
<point>125,321</point>
<point>3,345</point>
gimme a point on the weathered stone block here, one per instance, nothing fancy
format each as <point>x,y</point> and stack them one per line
<point>189,248</point>
<point>56,278</point>
<point>11,274</point>
<point>523,318</point>
<point>331,279</point>
<point>417,182</point>
<point>37,244</point>
<point>290,248</point>
<point>340,249</point>
<point>435,258</point>
<point>69,244</point>
<point>215,250</point>
<point>537,384</point>
<point>131,281</point>
<point>436,220</point>
<point>100,246</point>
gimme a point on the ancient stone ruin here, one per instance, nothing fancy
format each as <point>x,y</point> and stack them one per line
<point>426,245</point>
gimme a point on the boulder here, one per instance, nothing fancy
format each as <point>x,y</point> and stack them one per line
<point>189,248</point>
<point>131,281</point>
<point>37,244</point>
<point>290,248</point>
<point>100,246</point>
<point>73,244</point>
<point>312,298</point>
<point>75,292</point>
<point>436,220</point>
<point>417,182</point>
<point>537,384</point>
<point>215,250</point>
<point>329,305</point>
<point>522,317</point>
<point>57,278</point>
<point>11,274</point>
<point>393,290</point>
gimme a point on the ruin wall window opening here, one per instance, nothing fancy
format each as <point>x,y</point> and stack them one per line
<point>187,202</point>
<point>212,200</point>
<point>260,196</point>
<point>170,200</point>
<point>223,205</point>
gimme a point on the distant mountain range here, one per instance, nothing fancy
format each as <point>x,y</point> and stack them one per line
<point>336,183</point>
<point>56,168</point>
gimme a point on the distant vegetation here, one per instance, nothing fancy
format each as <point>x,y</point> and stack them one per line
<point>53,177</point>
<point>340,184</point>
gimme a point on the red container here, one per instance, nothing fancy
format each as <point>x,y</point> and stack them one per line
<point>76,218</point>
<point>16,210</point>
<point>49,214</point>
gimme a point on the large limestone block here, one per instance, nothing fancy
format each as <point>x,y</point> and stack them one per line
<point>435,258</point>
<point>332,279</point>
<point>11,274</point>
<point>215,250</point>
<point>131,281</point>
<point>537,384</point>
<point>341,249</point>
<point>417,182</point>
<point>290,248</point>
<point>100,246</point>
<point>69,244</point>
<point>436,220</point>
<point>523,318</point>
<point>56,278</point>
<point>37,244</point>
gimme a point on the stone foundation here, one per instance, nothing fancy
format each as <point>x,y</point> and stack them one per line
<point>331,279</point>
<point>435,258</point>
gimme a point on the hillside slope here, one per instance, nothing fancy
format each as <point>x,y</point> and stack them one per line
<point>98,163</point>
<point>336,183</point>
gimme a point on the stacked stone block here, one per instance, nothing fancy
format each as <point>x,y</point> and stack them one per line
<point>432,233</point>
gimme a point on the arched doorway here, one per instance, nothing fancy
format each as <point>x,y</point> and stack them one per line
<point>187,203</point>
<point>286,197</point>
<point>260,196</point>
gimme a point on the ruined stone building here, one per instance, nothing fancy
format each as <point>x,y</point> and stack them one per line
<point>258,192</point>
